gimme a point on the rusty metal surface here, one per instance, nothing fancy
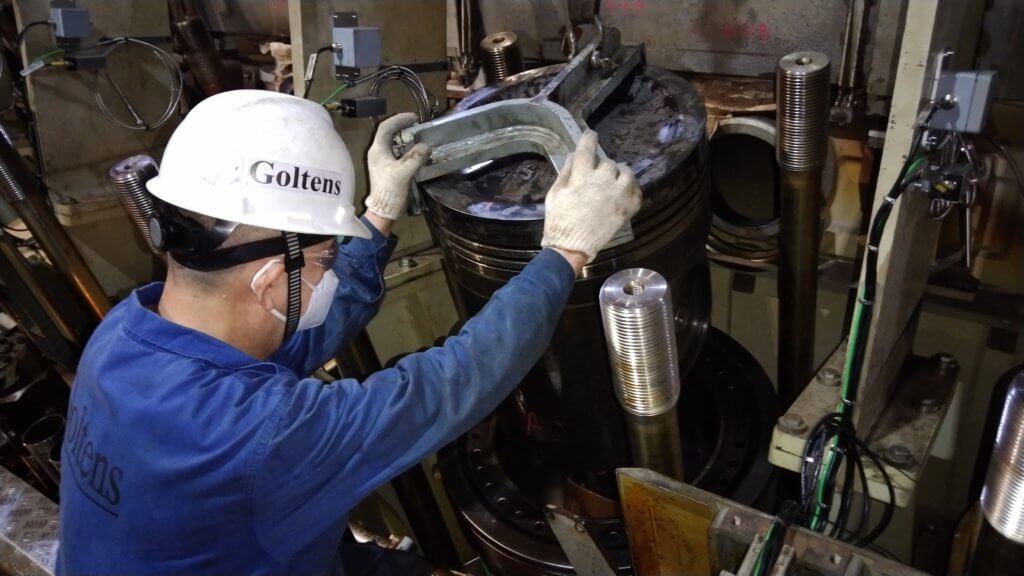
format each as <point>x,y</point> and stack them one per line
<point>724,97</point>
<point>655,515</point>
<point>28,529</point>
<point>676,529</point>
<point>743,38</point>
<point>254,17</point>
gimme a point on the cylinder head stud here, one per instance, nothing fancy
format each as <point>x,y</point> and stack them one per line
<point>802,98</point>
<point>1002,498</point>
<point>501,55</point>
<point>129,177</point>
<point>201,55</point>
<point>639,326</point>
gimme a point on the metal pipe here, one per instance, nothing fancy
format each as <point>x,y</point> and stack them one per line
<point>40,438</point>
<point>16,269</point>
<point>639,327</point>
<point>20,188</point>
<point>129,177</point>
<point>358,359</point>
<point>802,102</point>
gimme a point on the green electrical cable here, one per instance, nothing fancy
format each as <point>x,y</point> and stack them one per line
<point>756,570</point>
<point>48,54</point>
<point>913,167</point>
<point>844,401</point>
<point>333,94</point>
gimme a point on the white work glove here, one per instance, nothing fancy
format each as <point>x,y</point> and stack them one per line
<point>589,202</point>
<point>390,177</point>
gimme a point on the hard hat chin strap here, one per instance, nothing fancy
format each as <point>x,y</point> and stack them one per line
<point>293,263</point>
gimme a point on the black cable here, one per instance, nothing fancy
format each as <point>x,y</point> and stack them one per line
<point>853,450</point>
<point>1009,160</point>
<point>873,547</point>
<point>882,552</point>
<point>865,511</point>
<point>846,495</point>
<point>24,31</point>
<point>776,538</point>
<point>835,431</point>
<point>887,514</point>
<point>312,72</point>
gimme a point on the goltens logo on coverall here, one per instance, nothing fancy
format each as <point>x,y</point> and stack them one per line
<point>292,178</point>
<point>92,469</point>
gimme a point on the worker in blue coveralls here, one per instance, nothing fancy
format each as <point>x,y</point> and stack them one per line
<point>196,443</point>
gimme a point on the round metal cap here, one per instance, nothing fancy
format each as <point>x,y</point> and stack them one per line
<point>803,63</point>
<point>498,41</point>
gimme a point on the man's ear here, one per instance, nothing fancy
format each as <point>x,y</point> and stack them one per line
<point>262,283</point>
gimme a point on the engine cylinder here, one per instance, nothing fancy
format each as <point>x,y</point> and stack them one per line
<point>559,437</point>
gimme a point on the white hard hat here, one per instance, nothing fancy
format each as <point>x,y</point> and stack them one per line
<point>261,158</point>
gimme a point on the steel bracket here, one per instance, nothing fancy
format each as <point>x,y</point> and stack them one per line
<point>583,553</point>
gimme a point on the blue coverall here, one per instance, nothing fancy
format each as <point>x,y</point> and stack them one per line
<point>184,455</point>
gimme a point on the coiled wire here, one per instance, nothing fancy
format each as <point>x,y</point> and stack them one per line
<point>426,103</point>
<point>174,79</point>
<point>802,102</point>
<point>1002,498</point>
<point>129,177</point>
<point>639,326</point>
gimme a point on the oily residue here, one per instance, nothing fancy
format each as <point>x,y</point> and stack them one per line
<point>652,124</point>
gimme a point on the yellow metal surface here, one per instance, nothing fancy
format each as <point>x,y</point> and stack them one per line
<point>668,533</point>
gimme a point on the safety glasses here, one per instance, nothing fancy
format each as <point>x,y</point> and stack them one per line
<point>323,258</point>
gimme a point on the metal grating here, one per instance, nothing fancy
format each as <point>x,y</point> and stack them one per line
<point>29,525</point>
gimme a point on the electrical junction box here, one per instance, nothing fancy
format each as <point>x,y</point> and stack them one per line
<point>70,22</point>
<point>969,92</point>
<point>358,47</point>
<point>363,106</point>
